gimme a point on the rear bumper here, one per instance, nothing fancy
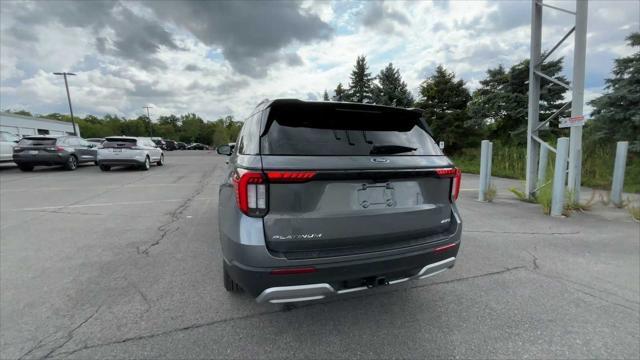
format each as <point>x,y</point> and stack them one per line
<point>297,293</point>
<point>41,159</point>
<point>125,162</point>
<point>342,277</point>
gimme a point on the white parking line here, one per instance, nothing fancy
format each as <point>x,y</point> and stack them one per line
<point>143,202</point>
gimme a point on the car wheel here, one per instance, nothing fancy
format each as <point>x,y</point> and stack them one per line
<point>72,163</point>
<point>147,164</point>
<point>161,161</point>
<point>229,284</point>
<point>25,167</point>
<point>105,167</point>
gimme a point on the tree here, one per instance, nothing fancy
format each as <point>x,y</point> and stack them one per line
<point>340,94</point>
<point>361,82</point>
<point>325,96</point>
<point>501,102</point>
<point>390,89</point>
<point>616,114</point>
<point>444,101</point>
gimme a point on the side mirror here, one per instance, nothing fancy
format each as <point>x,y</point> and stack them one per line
<point>224,150</point>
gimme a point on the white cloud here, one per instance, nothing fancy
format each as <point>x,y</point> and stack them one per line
<point>467,37</point>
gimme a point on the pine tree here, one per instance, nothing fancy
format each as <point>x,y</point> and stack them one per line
<point>616,114</point>
<point>501,102</point>
<point>361,82</point>
<point>390,89</point>
<point>325,96</point>
<point>339,94</point>
<point>444,101</point>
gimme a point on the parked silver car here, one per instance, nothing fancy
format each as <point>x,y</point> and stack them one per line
<point>7,142</point>
<point>129,151</point>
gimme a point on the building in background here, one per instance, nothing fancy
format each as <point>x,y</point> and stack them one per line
<point>28,125</point>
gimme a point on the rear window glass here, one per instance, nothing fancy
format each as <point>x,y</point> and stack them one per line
<point>346,132</point>
<point>37,141</point>
<point>119,142</point>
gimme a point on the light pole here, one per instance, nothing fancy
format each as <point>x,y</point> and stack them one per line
<point>66,85</point>
<point>149,119</point>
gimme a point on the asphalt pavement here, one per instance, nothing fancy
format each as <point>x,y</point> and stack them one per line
<point>127,264</point>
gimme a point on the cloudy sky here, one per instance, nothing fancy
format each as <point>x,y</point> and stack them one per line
<point>219,58</point>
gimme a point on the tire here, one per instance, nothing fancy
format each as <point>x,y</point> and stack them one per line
<point>161,161</point>
<point>25,167</point>
<point>147,164</point>
<point>229,284</point>
<point>105,167</point>
<point>72,163</point>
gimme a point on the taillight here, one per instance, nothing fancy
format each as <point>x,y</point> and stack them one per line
<point>290,176</point>
<point>251,192</point>
<point>456,174</point>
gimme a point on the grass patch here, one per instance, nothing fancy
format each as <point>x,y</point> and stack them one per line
<point>597,165</point>
<point>634,211</point>
<point>491,193</point>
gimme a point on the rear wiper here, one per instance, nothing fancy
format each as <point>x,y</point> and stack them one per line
<point>390,149</point>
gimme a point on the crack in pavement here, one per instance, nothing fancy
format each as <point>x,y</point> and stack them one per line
<point>166,228</point>
<point>284,309</point>
<point>535,260</point>
<point>68,337</point>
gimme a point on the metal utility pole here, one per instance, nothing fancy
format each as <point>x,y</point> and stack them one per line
<point>534,125</point>
<point>66,85</point>
<point>577,100</point>
<point>149,119</point>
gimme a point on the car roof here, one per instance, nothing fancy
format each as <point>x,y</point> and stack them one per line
<point>334,104</point>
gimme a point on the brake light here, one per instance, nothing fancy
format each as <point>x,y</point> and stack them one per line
<point>290,176</point>
<point>59,149</point>
<point>456,174</point>
<point>251,192</point>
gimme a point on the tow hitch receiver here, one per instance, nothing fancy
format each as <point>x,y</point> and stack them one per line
<point>374,281</point>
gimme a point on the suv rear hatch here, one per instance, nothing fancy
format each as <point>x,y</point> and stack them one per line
<point>346,179</point>
<point>38,144</point>
<point>118,144</point>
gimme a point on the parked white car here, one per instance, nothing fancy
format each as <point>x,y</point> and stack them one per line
<point>129,151</point>
<point>7,142</point>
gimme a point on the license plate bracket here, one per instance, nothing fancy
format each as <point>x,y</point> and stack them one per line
<point>376,196</point>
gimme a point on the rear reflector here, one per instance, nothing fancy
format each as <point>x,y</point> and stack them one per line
<point>445,248</point>
<point>290,176</point>
<point>293,271</point>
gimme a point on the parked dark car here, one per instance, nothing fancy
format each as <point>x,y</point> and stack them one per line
<point>327,198</point>
<point>68,151</point>
<point>170,145</point>
<point>197,146</point>
<point>181,146</point>
<point>159,142</point>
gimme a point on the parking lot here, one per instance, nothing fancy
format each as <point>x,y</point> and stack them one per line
<point>127,264</point>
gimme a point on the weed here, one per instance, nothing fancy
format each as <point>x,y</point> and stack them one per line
<point>491,193</point>
<point>634,211</point>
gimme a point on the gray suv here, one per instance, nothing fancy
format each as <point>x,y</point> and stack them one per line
<point>328,198</point>
<point>68,151</point>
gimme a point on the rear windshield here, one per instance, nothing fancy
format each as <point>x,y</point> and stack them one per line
<point>37,141</point>
<point>119,142</point>
<point>346,132</point>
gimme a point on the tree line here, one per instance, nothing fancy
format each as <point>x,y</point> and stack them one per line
<point>188,128</point>
<point>497,109</point>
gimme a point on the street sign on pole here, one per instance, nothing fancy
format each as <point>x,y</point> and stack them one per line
<point>572,121</point>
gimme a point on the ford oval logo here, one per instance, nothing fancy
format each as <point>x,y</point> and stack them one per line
<point>379,160</point>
